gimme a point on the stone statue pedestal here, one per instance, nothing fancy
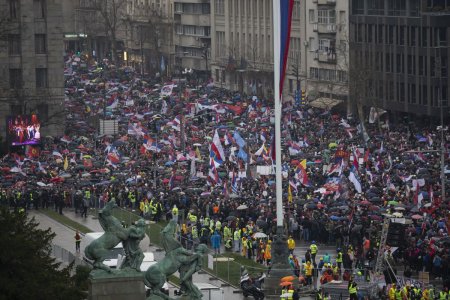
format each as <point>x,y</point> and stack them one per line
<point>280,264</point>
<point>118,285</point>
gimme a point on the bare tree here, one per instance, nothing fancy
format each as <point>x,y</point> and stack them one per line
<point>112,13</point>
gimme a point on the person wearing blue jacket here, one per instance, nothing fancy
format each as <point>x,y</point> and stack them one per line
<point>215,242</point>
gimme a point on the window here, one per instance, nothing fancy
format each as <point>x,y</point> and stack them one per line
<point>296,11</point>
<point>312,16</point>
<point>15,78</point>
<point>325,16</point>
<point>220,43</point>
<point>41,78</point>
<point>178,7</point>
<point>14,9</point>
<point>314,73</point>
<point>14,44</point>
<point>342,76</point>
<point>42,110</point>
<point>397,8</point>
<point>40,43</point>
<point>39,9</point>
<point>375,7</point>
<point>219,8</point>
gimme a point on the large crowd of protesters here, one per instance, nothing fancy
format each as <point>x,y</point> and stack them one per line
<point>185,149</point>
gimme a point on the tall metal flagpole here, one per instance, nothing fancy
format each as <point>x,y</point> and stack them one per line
<point>280,264</point>
<point>277,99</point>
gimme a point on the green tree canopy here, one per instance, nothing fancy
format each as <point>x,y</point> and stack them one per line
<point>27,269</point>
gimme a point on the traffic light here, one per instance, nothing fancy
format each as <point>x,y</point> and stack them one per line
<point>303,97</point>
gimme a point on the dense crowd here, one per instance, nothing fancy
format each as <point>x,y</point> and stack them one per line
<point>185,149</point>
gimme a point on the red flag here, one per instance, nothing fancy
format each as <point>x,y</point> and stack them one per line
<point>32,152</point>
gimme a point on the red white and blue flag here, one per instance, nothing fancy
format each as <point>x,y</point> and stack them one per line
<point>286,8</point>
<point>216,152</point>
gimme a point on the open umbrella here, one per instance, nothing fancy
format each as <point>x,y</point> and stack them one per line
<point>287,278</point>
<point>242,207</point>
<point>392,202</point>
<point>286,283</point>
<point>416,217</point>
<point>260,235</point>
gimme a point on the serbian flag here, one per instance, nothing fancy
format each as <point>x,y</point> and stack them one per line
<point>285,20</point>
<point>216,151</point>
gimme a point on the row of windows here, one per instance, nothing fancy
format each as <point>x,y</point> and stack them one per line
<point>16,81</point>
<point>433,66</point>
<point>193,30</point>
<point>399,35</point>
<point>39,9</point>
<point>328,75</point>
<point>393,8</point>
<point>248,45</point>
<point>411,93</point>
<point>192,8</point>
<point>15,44</point>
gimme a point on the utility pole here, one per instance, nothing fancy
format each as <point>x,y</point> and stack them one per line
<point>443,179</point>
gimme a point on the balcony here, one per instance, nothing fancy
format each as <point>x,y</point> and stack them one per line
<point>326,57</point>
<point>326,2</point>
<point>326,28</point>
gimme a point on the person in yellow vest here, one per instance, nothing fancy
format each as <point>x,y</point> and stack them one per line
<point>218,226</point>
<point>290,292</point>
<point>146,209</point>
<point>406,292</point>
<point>398,293</point>
<point>192,218</point>
<point>353,289</point>
<point>194,233</point>
<point>392,292</point>
<point>141,208</point>
<point>268,252</point>
<point>132,199</point>
<point>236,240</point>
<point>339,259</point>
<point>291,244</point>
<point>226,232</point>
<point>314,250</point>
<point>244,245</point>
<point>308,272</point>
<point>443,295</point>
<point>175,213</point>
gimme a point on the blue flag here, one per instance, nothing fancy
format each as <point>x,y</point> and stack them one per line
<point>239,140</point>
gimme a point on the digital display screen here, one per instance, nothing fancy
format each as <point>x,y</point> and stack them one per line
<point>23,130</point>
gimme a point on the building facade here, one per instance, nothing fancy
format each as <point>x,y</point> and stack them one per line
<point>242,45</point>
<point>400,50</point>
<point>31,63</point>
<point>325,51</point>
<point>192,37</point>
<point>148,35</point>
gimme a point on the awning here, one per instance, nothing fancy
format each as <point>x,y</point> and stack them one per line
<point>325,103</point>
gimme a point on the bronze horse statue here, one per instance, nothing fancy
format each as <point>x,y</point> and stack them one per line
<point>99,249</point>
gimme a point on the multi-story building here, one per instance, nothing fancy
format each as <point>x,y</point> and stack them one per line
<point>242,47</point>
<point>325,51</point>
<point>31,64</point>
<point>149,38</point>
<point>192,36</point>
<point>399,54</point>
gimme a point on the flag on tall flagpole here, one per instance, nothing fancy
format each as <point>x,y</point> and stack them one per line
<point>286,7</point>
<point>216,150</point>
<point>282,18</point>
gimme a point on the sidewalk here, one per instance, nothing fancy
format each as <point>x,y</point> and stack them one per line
<point>65,239</point>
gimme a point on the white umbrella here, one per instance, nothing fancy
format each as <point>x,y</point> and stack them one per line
<point>242,207</point>
<point>260,235</point>
<point>41,184</point>
<point>427,205</point>
<point>399,208</point>
<point>397,214</point>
